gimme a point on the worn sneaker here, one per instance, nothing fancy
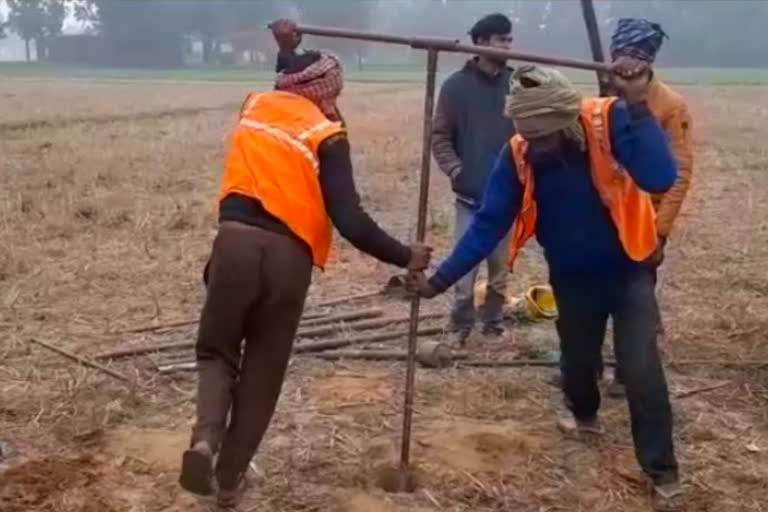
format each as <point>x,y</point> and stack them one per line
<point>229,499</point>
<point>197,469</point>
<point>669,497</point>
<point>574,428</point>
<point>460,337</point>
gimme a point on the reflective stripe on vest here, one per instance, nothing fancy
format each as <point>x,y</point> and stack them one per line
<point>298,143</point>
<point>273,158</point>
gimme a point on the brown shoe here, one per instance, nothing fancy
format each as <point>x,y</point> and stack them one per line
<point>668,497</point>
<point>459,338</point>
<point>197,469</point>
<point>232,498</point>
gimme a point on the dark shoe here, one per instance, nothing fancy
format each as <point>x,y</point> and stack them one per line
<point>197,469</point>
<point>232,498</point>
<point>493,331</point>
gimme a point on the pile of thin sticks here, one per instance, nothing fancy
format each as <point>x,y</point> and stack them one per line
<point>321,330</point>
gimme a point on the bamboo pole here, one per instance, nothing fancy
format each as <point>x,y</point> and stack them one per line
<point>362,326</point>
<point>310,348</point>
<point>81,360</point>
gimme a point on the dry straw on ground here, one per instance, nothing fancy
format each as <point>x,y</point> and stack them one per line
<point>106,225</point>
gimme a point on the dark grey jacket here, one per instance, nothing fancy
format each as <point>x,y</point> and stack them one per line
<point>470,128</point>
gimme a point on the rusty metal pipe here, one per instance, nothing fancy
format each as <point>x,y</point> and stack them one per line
<point>595,44</point>
<point>450,45</point>
<point>421,228</point>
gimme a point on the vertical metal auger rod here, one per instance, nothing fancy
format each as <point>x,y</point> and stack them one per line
<point>421,228</point>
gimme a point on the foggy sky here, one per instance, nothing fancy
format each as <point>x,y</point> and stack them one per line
<point>704,32</point>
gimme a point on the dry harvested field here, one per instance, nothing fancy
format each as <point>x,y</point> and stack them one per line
<point>106,200</point>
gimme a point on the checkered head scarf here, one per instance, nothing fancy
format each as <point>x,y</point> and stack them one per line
<point>638,38</point>
<point>321,82</point>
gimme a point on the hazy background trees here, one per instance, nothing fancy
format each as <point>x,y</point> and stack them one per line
<point>711,33</point>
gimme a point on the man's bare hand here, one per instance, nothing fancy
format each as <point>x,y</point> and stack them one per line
<point>286,34</point>
<point>632,78</point>
<point>421,255</point>
<point>417,283</point>
<point>657,258</point>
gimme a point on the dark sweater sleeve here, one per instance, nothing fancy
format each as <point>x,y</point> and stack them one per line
<point>342,202</point>
<point>443,129</point>
<point>501,203</point>
<point>640,146</point>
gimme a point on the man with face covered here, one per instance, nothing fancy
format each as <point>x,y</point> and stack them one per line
<point>469,130</point>
<point>578,176</point>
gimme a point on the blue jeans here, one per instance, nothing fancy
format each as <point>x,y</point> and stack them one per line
<point>463,313</point>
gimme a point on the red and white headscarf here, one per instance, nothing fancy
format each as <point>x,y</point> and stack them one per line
<point>320,82</point>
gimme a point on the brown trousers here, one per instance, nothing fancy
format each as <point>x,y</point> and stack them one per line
<point>257,284</point>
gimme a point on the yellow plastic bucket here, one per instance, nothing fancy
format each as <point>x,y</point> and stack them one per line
<point>540,303</point>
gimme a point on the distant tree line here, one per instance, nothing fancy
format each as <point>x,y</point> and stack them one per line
<point>713,33</point>
<point>36,20</point>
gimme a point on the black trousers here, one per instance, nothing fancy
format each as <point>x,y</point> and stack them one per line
<point>585,304</point>
<point>617,377</point>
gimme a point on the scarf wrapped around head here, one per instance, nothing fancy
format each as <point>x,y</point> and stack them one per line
<point>637,38</point>
<point>320,82</point>
<point>542,101</point>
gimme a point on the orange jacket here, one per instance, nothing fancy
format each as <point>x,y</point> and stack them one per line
<point>671,110</point>
<point>273,157</point>
<point>630,207</point>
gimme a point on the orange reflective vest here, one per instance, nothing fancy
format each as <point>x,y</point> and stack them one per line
<point>630,207</point>
<point>273,157</point>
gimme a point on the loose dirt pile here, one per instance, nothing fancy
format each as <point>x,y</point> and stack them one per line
<point>58,484</point>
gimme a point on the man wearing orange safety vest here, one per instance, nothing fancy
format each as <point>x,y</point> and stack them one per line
<point>287,180</point>
<point>578,176</point>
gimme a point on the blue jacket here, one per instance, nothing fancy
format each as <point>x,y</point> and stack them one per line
<point>573,226</point>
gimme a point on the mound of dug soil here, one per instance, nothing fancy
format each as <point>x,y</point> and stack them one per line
<point>55,484</point>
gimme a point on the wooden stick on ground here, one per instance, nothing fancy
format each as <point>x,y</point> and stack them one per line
<point>320,346</point>
<point>719,362</point>
<point>362,326</point>
<point>705,389</point>
<point>430,355</point>
<point>165,347</point>
<point>348,298</point>
<point>156,327</point>
<point>310,317</point>
<point>140,351</point>
<point>190,365</point>
<point>343,317</point>
<point>365,355</point>
<point>512,363</point>
<point>81,360</point>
